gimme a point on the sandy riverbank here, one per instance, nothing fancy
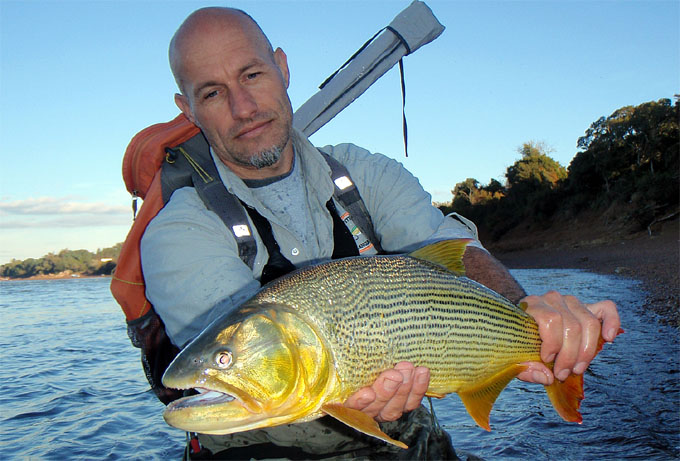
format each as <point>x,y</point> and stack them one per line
<point>654,260</point>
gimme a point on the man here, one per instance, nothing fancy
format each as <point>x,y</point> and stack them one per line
<point>234,87</point>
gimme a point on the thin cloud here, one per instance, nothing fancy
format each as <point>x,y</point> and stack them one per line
<point>69,221</point>
<point>61,212</point>
<point>45,206</point>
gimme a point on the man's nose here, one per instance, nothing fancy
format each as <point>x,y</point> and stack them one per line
<point>242,102</point>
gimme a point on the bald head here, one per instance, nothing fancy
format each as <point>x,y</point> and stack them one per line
<point>207,25</point>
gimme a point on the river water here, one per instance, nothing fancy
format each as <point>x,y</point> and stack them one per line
<point>73,388</point>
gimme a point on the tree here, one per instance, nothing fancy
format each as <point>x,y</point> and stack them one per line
<point>535,170</point>
<point>535,149</point>
<point>80,261</point>
<point>632,156</point>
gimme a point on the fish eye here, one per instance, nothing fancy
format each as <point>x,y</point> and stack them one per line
<point>223,359</point>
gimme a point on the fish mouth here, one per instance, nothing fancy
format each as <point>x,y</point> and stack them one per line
<point>213,412</point>
<point>205,397</point>
<point>212,397</point>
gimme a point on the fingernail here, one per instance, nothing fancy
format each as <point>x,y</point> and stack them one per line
<point>422,378</point>
<point>363,402</point>
<point>611,334</point>
<point>562,375</point>
<point>580,367</point>
<point>550,358</point>
<point>539,377</point>
<point>391,384</point>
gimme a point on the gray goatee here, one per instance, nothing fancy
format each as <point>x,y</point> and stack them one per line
<point>266,158</point>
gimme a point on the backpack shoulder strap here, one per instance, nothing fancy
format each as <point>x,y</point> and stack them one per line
<point>348,195</point>
<point>190,164</point>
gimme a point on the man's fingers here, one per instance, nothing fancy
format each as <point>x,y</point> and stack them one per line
<point>361,399</point>
<point>384,389</point>
<point>608,314</point>
<point>393,393</point>
<point>590,334</point>
<point>536,372</point>
<point>550,326</point>
<point>393,402</point>
<point>421,381</point>
<point>570,331</point>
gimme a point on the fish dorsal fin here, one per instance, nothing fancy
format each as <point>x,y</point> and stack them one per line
<point>446,253</point>
<point>359,421</point>
<point>480,398</point>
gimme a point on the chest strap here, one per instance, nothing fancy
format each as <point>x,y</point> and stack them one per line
<point>190,164</point>
<point>278,265</point>
<point>347,194</point>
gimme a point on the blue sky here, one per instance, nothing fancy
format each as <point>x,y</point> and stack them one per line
<point>79,78</point>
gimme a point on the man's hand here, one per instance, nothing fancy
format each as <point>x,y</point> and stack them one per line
<point>570,332</point>
<point>394,392</point>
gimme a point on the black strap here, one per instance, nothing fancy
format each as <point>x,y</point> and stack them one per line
<point>351,201</point>
<point>277,265</point>
<point>229,209</point>
<point>403,106</point>
<point>344,245</point>
<point>190,164</point>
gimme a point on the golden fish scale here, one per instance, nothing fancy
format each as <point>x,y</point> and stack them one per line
<point>377,311</point>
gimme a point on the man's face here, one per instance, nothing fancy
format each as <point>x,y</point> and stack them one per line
<point>235,91</point>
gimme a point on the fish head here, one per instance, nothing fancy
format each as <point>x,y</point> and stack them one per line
<point>261,367</point>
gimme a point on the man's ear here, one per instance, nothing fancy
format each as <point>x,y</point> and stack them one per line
<point>183,104</point>
<point>281,61</point>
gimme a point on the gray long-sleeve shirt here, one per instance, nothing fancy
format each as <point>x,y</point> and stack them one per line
<point>190,260</point>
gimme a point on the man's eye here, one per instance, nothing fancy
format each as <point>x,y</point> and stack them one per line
<point>252,75</point>
<point>209,95</point>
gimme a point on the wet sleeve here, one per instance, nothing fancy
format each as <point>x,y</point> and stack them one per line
<point>191,267</point>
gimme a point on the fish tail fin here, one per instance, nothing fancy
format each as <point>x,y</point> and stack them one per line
<point>479,400</point>
<point>601,342</point>
<point>566,397</point>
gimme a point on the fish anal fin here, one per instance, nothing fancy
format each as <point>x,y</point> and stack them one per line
<point>479,400</point>
<point>435,395</point>
<point>359,421</point>
<point>446,253</point>
<point>566,397</point>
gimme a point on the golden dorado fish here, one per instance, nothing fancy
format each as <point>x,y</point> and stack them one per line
<point>304,343</point>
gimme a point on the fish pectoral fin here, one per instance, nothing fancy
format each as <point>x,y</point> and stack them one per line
<point>447,253</point>
<point>435,395</point>
<point>359,421</point>
<point>479,399</point>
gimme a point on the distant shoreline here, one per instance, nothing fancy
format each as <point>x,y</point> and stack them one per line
<point>59,276</point>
